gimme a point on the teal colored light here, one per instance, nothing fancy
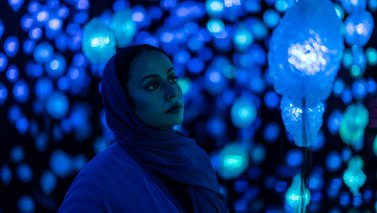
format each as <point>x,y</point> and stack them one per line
<point>282,5</point>
<point>347,58</point>
<point>258,29</point>
<point>243,112</point>
<point>354,177</point>
<point>373,8</point>
<point>123,26</point>
<point>356,71</point>
<point>185,84</point>
<point>371,56</point>
<point>242,38</point>
<point>355,119</point>
<point>271,18</point>
<point>293,195</point>
<point>339,11</point>
<point>214,7</point>
<point>215,25</point>
<point>375,145</point>
<point>234,160</point>
<point>98,42</point>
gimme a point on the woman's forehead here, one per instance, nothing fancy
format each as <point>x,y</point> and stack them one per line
<point>150,62</point>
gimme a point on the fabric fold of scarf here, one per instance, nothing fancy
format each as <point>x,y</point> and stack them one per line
<point>165,152</point>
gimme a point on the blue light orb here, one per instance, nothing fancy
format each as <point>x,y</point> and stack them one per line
<point>359,62</point>
<point>35,33</point>
<point>215,8</point>
<point>215,82</point>
<point>15,4</point>
<point>352,6</point>
<point>3,93</point>
<point>123,27</point>
<point>56,66</point>
<point>257,153</point>
<point>283,5</point>
<point>358,28</point>
<point>243,112</point>
<point>61,164</point>
<point>21,91</point>
<point>195,65</point>
<point>271,18</point>
<point>371,56</point>
<point>271,132</point>
<point>293,121</point>
<point>294,157</point>
<point>271,99</point>
<point>53,27</point>
<point>338,87</point>
<point>98,42</point>
<point>43,88</point>
<point>57,105</point>
<point>22,125</point>
<point>339,11</point>
<point>375,145</point>
<point>26,204</point>
<point>12,73</point>
<point>43,52</point>
<point>11,46</point>
<point>257,28</point>
<point>334,120</point>
<point>28,46</point>
<point>359,89</point>
<point>215,26</point>
<point>333,161</point>
<point>216,126</point>
<point>24,173</point>
<point>1,28</point>
<point>5,174</point>
<point>293,195</point>
<point>17,154</point>
<point>242,38</point>
<point>305,49</point>
<point>234,160</point>
<point>3,62</point>
<point>48,182</point>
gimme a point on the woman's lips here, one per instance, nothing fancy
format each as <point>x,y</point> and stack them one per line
<point>174,109</point>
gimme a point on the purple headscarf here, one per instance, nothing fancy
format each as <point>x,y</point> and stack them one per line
<point>166,152</point>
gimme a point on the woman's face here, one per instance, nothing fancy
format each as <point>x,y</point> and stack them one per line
<point>153,89</point>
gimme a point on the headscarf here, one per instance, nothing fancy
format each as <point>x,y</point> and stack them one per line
<point>166,152</point>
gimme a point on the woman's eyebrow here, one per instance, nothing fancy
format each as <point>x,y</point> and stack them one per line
<point>155,75</point>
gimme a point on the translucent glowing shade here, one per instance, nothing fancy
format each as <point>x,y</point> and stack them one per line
<point>11,46</point>
<point>234,160</point>
<point>306,48</point>
<point>354,177</point>
<point>243,112</point>
<point>352,6</point>
<point>293,120</point>
<point>43,52</point>
<point>358,28</point>
<point>355,119</point>
<point>123,27</point>
<point>293,195</point>
<point>98,41</point>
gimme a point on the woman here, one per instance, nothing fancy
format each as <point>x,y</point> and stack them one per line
<point>150,167</point>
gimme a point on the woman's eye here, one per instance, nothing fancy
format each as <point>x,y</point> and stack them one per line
<point>174,78</point>
<point>152,86</point>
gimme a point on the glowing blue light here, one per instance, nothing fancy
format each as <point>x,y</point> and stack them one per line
<point>344,199</point>
<point>271,132</point>
<point>43,52</point>
<point>215,26</point>
<point>21,91</point>
<point>63,83</point>
<point>271,99</point>
<point>98,42</point>
<point>293,121</point>
<point>271,18</point>
<point>257,153</point>
<point>28,46</point>
<point>234,160</point>
<point>214,7</point>
<point>242,38</point>
<point>339,11</point>
<point>5,174</point>
<point>371,85</point>
<point>82,4</point>
<point>338,87</point>
<point>43,88</point>
<point>195,65</point>
<point>81,17</point>
<point>26,22</point>
<point>79,60</point>
<point>2,28</point>
<point>63,11</point>
<point>3,62</point>
<point>358,27</point>
<point>258,29</point>
<point>205,54</point>
<point>61,42</point>
<point>56,66</point>
<point>283,5</point>
<point>42,15</point>
<point>293,196</point>
<point>346,96</point>
<point>12,73</point>
<point>48,182</point>
<point>252,6</point>
<point>123,26</point>
<point>373,8</point>
<point>354,177</point>
<point>17,154</point>
<point>57,105</point>
<point>333,122</point>
<point>24,172</point>
<point>60,163</point>
<point>3,93</point>
<point>15,4</point>
<point>333,161</point>
<point>294,157</point>
<point>243,112</point>
<point>352,6</point>
<point>359,89</point>
<point>35,33</point>
<point>11,46</point>
<point>26,204</point>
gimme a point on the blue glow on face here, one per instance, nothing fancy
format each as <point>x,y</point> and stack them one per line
<point>11,46</point>
<point>22,125</point>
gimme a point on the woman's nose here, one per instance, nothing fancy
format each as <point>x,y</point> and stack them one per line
<point>171,92</point>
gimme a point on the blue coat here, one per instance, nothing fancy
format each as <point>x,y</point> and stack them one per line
<point>113,182</point>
